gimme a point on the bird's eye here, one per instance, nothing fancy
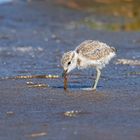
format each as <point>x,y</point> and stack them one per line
<point>69,63</point>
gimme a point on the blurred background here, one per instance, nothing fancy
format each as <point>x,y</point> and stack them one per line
<point>115,14</point>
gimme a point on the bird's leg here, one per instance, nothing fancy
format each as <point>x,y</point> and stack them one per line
<point>97,78</point>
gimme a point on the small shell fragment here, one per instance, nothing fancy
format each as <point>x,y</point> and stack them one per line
<point>10,113</point>
<point>128,62</point>
<point>39,134</point>
<point>29,83</point>
<point>38,85</point>
<point>71,113</point>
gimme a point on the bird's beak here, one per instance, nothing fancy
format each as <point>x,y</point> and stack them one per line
<point>64,73</point>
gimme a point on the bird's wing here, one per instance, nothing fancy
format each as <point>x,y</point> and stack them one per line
<point>93,49</point>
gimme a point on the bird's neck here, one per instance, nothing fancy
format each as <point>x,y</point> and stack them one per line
<point>77,59</point>
<point>75,55</point>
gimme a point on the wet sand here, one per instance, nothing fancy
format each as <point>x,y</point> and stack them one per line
<point>52,113</point>
<point>33,36</point>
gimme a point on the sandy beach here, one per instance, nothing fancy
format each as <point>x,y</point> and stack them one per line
<point>34,105</point>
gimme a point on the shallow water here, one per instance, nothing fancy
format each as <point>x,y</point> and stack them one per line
<point>32,43</point>
<point>5,1</point>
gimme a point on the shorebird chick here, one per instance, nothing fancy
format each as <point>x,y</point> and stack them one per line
<point>89,54</point>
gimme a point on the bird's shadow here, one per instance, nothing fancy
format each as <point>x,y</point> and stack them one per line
<point>75,87</point>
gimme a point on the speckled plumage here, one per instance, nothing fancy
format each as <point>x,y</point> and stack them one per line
<point>94,50</point>
<point>89,53</point>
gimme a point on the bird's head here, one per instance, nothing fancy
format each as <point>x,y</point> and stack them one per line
<point>68,61</point>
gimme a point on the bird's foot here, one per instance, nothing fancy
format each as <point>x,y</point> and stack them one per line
<point>94,89</point>
<point>89,89</point>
